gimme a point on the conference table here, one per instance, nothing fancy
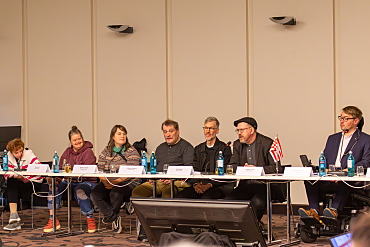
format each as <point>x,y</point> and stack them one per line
<point>268,179</point>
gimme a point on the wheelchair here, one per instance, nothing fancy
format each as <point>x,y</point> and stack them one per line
<point>309,228</point>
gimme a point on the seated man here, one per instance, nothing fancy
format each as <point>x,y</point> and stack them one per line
<point>174,151</point>
<point>336,152</point>
<point>252,149</point>
<point>205,158</point>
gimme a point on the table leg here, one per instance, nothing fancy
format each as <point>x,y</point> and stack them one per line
<point>154,188</point>
<point>69,199</point>
<point>289,241</point>
<point>172,188</point>
<point>269,216</point>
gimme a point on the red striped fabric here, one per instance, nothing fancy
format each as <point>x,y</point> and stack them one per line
<point>275,150</point>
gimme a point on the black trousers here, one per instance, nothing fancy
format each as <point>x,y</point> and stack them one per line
<point>255,191</point>
<point>16,190</point>
<point>314,192</point>
<point>109,201</point>
<point>216,192</point>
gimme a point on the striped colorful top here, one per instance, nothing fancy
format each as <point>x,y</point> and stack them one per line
<point>28,158</point>
<point>131,155</point>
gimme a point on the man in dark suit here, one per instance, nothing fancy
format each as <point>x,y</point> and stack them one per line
<point>336,152</point>
<point>205,161</point>
<point>252,149</point>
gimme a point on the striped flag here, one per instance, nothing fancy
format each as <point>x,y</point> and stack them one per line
<point>275,150</point>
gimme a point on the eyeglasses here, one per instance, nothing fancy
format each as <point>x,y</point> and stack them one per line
<point>206,128</point>
<point>241,130</point>
<point>345,119</point>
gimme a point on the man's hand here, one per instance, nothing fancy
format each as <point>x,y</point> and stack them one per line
<point>151,182</point>
<point>246,165</point>
<point>166,181</point>
<point>198,188</point>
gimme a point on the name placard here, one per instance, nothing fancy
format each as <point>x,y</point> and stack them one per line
<point>250,171</point>
<point>180,170</point>
<point>39,168</point>
<point>302,172</point>
<point>131,170</point>
<point>85,169</point>
<point>368,173</point>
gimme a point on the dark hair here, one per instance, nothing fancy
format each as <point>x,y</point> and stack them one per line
<point>14,145</point>
<point>110,146</point>
<point>169,122</point>
<point>75,131</point>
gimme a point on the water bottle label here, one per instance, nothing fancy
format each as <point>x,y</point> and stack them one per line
<point>155,162</point>
<point>5,160</point>
<point>220,163</point>
<point>143,162</point>
<point>349,164</point>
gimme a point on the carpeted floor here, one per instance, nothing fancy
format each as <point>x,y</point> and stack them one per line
<point>30,237</point>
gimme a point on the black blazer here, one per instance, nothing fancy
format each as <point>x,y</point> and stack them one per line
<point>359,145</point>
<point>263,156</point>
<point>200,156</point>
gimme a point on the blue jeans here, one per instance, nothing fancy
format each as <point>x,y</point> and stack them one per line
<point>81,193</point>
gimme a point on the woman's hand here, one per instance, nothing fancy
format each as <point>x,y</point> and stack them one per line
<point>23,179</point>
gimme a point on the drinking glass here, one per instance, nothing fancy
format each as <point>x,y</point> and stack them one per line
<point>67,168</point>
<point>360,171</point>
<point>165,168</point>
<point>229,170</point>
<point>332,168</point>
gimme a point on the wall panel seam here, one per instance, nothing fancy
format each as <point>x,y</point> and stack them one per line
<point>25,72</point>
<point>169,60</point>
<point>93,4</point>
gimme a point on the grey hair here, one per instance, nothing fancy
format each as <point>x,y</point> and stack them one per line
<point>211,119</point>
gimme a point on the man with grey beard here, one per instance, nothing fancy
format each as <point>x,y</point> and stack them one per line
<point>205,159</point>
<point>252,149</point>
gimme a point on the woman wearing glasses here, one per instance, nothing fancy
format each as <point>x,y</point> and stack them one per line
<point>109,194</point>
<point>19,186</point>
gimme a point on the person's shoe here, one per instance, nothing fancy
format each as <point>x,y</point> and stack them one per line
<point>91,226</point>
<point>331,213</point>
<point>116,225</point>
<point>13,226</point>
<point>305,213</point>
<point>49,226</point>
<point>14,217</point>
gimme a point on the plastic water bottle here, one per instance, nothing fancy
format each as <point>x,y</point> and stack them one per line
<point>56,163</point>
<point>5,161</point>
<point>220,164</point>
<point>351,165</point>
<point>153,164</point>
<point>322,165</point>
<point>144,162</point>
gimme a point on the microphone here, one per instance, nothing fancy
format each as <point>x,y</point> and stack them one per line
<point>228,144</point>
<point>345,131</point>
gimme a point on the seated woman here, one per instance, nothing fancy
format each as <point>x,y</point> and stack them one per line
<point>107,197</point>
<point>19,186</point>
<point>80,152</point>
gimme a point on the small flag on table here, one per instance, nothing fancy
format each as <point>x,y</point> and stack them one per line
<point>275,150</point>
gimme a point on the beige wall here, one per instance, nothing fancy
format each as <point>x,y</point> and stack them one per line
<point>11,72</point>
<point>61,66</point>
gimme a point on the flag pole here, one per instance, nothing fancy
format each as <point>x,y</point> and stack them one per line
<point>276,163</point>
